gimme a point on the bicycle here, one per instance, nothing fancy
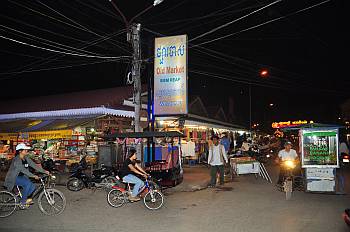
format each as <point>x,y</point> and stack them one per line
<point>152,198</point>
<point>51,201</point>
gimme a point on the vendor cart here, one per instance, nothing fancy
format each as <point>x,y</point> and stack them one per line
<point>161,160</point>
<point>319,156</point>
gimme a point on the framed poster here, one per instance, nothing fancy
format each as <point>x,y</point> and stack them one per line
<point>319,148</point>
<point>170,76</point>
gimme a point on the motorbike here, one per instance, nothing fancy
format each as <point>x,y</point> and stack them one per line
<point>102,178</point>
<point>288,166</point>
<point>256,153</point>
<point>344,159</point>
<point>346,216</point>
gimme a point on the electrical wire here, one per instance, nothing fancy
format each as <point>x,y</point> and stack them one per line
<point>234,21</point>
<point>49,41</point>
<point>213,14</point>
<point>55,57</point>
<point>66,53</point>
<point>55,68</point>
<point>262,24</point>
<point>79,25</point>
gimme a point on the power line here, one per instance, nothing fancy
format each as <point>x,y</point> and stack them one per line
<point>55,57</point>
<point>53,42</point>
<point>54,68</point>
<point>236,20</point>
<point>66,53</point>
<point>80,26</point>
<point>261,24</point>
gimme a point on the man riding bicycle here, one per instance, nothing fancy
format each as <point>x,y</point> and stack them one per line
<point>130,166</point>
<point>18,174</point>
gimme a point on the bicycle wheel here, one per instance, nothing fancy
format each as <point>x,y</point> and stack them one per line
<point>153,200</point>
<point>109,182</point>
<point>53,203</point>
<point>8,203</point>
<point>116,198</point>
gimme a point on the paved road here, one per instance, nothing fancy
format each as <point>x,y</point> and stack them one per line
<point>252,205</point>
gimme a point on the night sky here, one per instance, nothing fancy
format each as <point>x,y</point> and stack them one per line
<point>302,51</point>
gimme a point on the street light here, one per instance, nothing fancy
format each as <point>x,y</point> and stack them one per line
<point>156,2</point>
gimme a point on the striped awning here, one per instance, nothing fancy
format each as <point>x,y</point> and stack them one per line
<point>70,113</point>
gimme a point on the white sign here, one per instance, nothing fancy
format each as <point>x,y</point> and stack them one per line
<point>170,76</point>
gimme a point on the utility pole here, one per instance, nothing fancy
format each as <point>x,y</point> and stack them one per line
<point>133,37</point>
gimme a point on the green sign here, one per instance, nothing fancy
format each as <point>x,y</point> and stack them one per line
<point>320,148</point>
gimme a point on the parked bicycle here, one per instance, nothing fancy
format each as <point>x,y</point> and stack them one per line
<point>51,201</point>
<point>152,198</point>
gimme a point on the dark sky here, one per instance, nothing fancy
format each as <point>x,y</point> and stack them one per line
<point>301,51</point>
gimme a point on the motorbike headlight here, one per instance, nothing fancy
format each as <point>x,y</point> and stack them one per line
<point>290,164</point>
<point>268,156</point>
<point>53,178</point>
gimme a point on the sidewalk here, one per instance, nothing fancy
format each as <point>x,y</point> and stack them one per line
<point>194,178</point>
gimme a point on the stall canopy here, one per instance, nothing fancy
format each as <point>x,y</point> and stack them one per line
<point>146,134</point>
<point>55,120</point>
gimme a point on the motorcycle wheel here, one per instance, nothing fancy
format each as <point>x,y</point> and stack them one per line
<point>75,184</point>
<point>116,198</point>
<point>288,188</point>
<point>153,200</point>
<point>53,203</point>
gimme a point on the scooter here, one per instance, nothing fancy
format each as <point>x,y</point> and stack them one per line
<point>102,178</point>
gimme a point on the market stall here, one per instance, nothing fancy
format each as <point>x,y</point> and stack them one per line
<point>319,156</point>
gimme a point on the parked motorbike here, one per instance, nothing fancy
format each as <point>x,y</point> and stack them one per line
<point>255,152</point>
<point>344,159</point>
<point>102,178</point>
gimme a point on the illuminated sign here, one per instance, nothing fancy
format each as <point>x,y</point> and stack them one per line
<point>320,148</point>
<point>55,134</point>
<point>170,76</point>
<point>277,125</point>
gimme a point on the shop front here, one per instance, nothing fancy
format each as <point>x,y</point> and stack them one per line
<point>64,136</point>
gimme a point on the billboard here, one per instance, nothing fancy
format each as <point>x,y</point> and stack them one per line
<point>170,76</point>
<point>320,148</point>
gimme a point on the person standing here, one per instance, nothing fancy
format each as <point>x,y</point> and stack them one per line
<point>216,159</point>
<point>225,141</point>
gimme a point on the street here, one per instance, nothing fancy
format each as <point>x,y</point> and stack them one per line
<point>252,205</point>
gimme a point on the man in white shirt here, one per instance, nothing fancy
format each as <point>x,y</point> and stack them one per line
<point>216,159</point>
<point>286,154</point>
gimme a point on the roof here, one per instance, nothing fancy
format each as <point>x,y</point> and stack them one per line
<point>146,134</point>
<point>68,113</point>
<point>24,125</point>
<point>110,98</point>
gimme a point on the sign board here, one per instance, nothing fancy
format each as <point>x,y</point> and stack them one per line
<point>55,134</point>
<point>320,179</point>
<point>320,148</point>
<point>170,76</point>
